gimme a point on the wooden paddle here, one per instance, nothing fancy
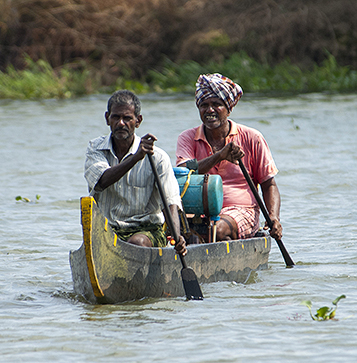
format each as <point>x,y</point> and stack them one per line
<point>288,260</point>
<point>189,278</point>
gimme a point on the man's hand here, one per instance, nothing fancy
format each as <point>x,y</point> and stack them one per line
<point>232,153</point>
<point>180,247</point>
<point>146,146</point>
<point>277,230</point>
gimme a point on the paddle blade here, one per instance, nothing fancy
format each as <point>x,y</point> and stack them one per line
<point>190,284</point>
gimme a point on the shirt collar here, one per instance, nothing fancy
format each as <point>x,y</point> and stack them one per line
<point>107,144</point>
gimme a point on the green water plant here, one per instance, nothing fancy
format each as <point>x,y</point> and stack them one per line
<point>323,313</point>
<point>258,77</point>
<point>40,80</point>
<point>27,200</point>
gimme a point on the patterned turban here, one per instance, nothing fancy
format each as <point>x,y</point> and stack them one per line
<point>216,85</point>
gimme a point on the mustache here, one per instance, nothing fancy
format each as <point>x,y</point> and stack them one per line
<point>120,129</point>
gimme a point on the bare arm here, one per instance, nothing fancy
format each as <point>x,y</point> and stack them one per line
<point>271,197</point>
<point>205,165</point>
<point>113,174</point>
<point>230,152</point>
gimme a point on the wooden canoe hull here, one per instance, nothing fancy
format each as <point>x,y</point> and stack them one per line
<point>108,270</point>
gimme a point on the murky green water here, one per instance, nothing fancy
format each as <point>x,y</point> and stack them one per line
<point>313,140</point>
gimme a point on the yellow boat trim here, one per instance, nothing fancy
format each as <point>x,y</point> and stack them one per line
<point>242,246</point>
<point>207,251</point>
<point>160,251</point>
<point>175,257</point>
<point>106,225</point>
<point>87,212</point>
<point>266,242</point>
<point>227,247</point>
<point>115,239</point>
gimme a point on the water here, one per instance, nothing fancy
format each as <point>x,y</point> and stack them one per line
<point>42,147</point>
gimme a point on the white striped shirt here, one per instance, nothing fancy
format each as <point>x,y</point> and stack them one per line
<point>134,199</point>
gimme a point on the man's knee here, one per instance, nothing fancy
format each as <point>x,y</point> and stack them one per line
<point>222,233</point>
<point>140,240</point>
<point>226,229</point>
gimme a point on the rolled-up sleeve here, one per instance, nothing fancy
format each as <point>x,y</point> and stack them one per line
<point>95,165</point>
<point>185,147</point>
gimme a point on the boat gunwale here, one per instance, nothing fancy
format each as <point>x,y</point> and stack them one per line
<point>168,250</point>
<point>211,261</point>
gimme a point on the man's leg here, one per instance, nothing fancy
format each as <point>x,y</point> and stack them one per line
<point>237,223</point>
<point>140,240</point>
<point>226,228</point>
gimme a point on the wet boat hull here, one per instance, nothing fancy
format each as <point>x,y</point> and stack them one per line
<point>107,270</point>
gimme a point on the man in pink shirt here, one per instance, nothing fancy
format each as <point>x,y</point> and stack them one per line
<point>217,145</point>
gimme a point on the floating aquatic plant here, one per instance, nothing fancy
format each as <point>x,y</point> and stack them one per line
<point>324,313</point>
<point>296,127</point>
<point>27,200</point>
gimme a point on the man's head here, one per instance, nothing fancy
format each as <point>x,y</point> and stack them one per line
<point>217,86</point>
<point>123,115</point>
<point>122,98</point>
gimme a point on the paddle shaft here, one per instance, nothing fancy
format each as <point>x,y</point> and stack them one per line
<point>288,260</point>
<point>168,216</point>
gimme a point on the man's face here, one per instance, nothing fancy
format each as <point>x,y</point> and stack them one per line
<point>122,121</point>
<point>213,112</point>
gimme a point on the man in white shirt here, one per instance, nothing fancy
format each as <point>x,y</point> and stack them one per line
<point>120,177</point>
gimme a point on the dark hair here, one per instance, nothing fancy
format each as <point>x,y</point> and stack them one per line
<point>125,97</point>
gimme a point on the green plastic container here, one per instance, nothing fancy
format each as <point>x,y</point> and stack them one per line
<point>193,198</point>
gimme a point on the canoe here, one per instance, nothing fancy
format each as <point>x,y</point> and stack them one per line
<point>106,270</point>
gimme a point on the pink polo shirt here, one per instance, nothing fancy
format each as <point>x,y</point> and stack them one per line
<point>258,161</point>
